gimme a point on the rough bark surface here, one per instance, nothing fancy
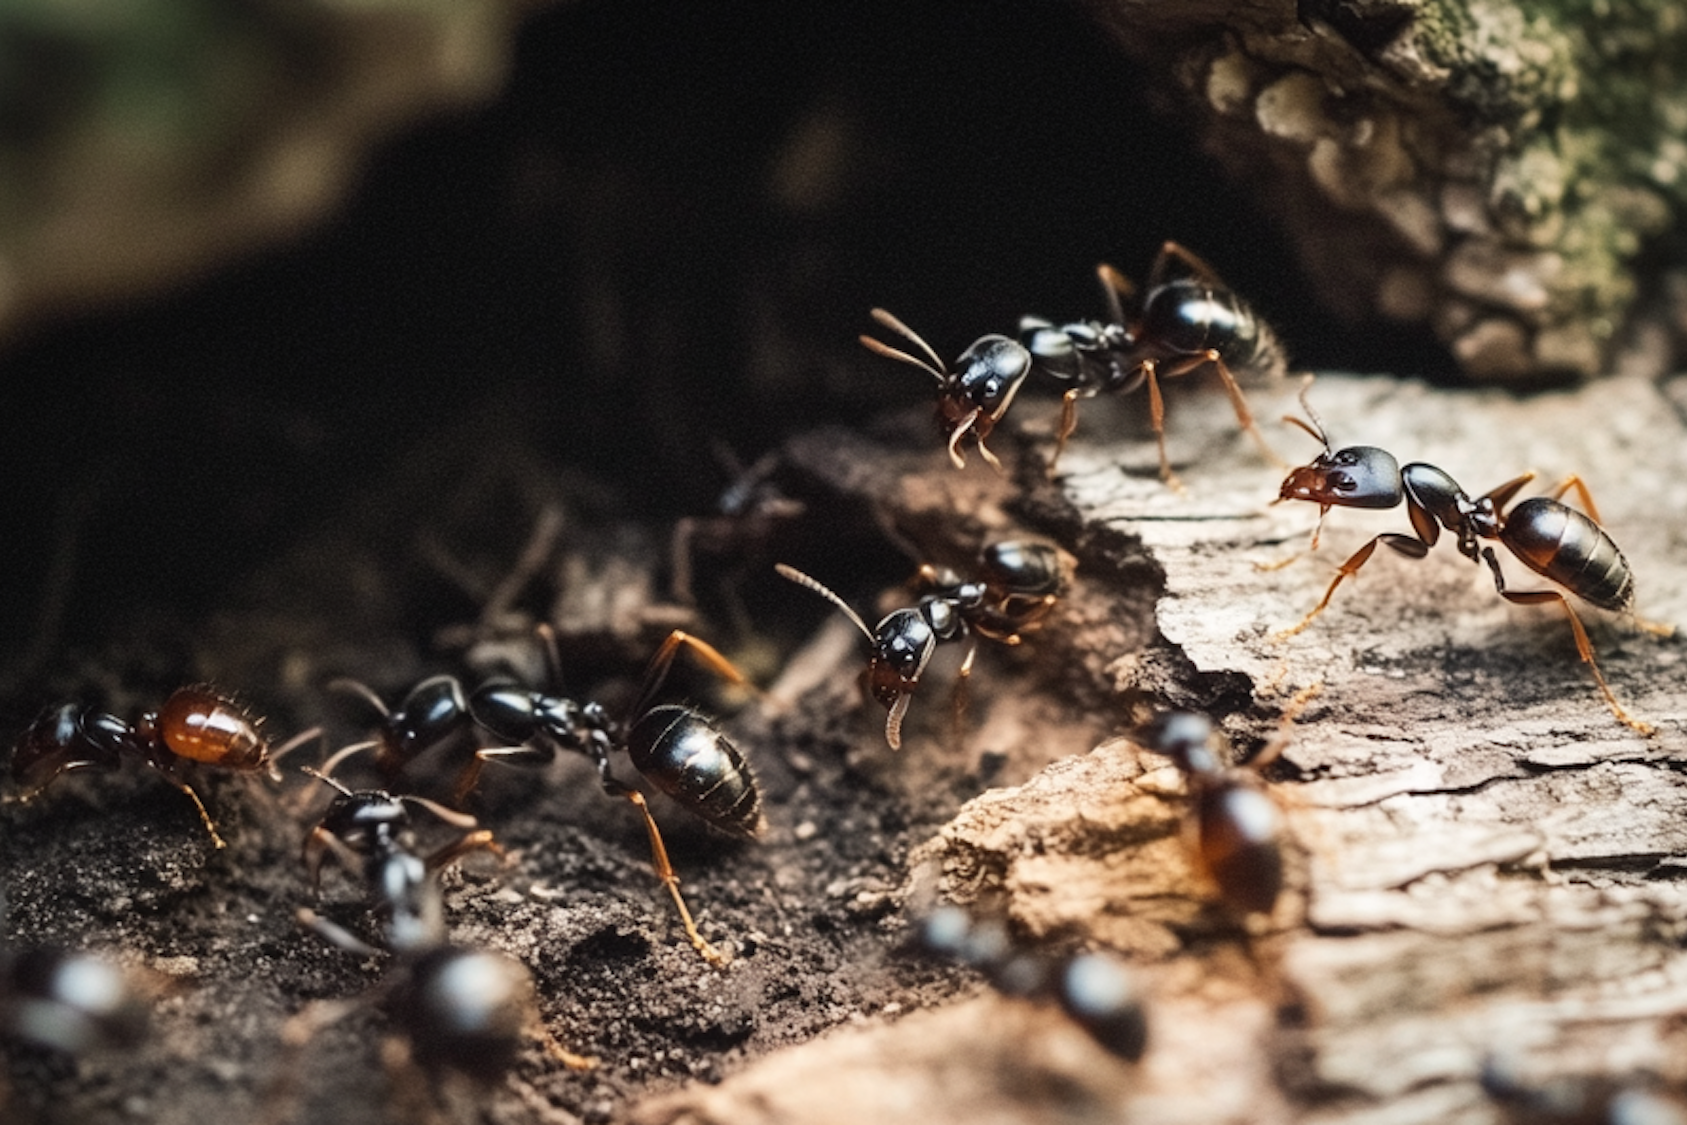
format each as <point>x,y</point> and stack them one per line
<point>1487,863</point>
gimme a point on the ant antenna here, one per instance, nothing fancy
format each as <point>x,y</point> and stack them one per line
<point>935,367</point>
<point>1316,428</point>
<point>792,574</point>
<point>322,777</point>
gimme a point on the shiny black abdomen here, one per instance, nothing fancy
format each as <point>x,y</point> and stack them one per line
<point>688,758</point>
<point>1555,540</point>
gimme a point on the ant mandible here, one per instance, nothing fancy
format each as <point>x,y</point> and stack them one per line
<point>1187,319</point>
<point>1549,537</point>
<point>1020,581</point>
<point>197,724</point>
<point>974,396</point>
<point>1237,828</point>
<point>678,749</point>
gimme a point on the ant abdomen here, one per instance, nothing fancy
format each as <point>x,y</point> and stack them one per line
<point>1566,546</point>
<point>204,726</point>
<point>1240,829</point>
<point>687,757</point>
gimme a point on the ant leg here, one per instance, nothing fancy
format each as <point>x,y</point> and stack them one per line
<point>448,854</point>
<point>665,872</point>
<point>1238,401</point>
<point>1406,545</point>
<point>1279,742</point>
<point>958,698</point>
<point>1068,422</point>
<point>335,934</point>
<point>197,803</point>
<point>1244,416</point>
<point>1157,419</point>
<point>317,847</point>
<point>469,776</point>
<point>706,653</point>
<point>537,1029</point>
<point>1583,646</point>
<point>1116,289</point>
<point>1502,495</point>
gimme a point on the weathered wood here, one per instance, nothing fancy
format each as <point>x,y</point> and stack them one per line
<point>1485,861</point>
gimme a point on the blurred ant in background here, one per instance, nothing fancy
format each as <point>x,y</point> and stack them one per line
<point>677,749</point>
<point>1236,828</point>
<point>1019,582</point>
<point>1549,537</point>
<point>68,1002</point>
<point>1186,320</point>
<point>1094,988</point>
<point>195,724</point>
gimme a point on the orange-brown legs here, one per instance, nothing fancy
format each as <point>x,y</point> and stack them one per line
<point>1583,646</point>
<point>665,872</point>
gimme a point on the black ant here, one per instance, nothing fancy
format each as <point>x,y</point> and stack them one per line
<point>369,831</point>
<point>678,749</point>
<point>1237,829</point>
<point>1549,537</point>
<point>1579,1099</point>
<point>463,1008</point>
<point>1094,988</point>
<point>748,511</point>
<point>1187,319</point>
<point>1020,581</point>
<point>973,397</point>
<point>195,724</point>
<point>69,1002</point>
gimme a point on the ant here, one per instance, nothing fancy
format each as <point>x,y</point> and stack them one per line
<point>1579,1099</point>
<point>1094,988</point>
<point>460,1007</point>
<point>1188,318</point>
<point>370,831</point>
<point>69,1002</point>
<point>1549,537</point>
<point>1021,579</point>
<point>678,749</point>
<point>197,723</point>
<point>974,396</point>
<point>1237,828</point>
<point>750,511</point>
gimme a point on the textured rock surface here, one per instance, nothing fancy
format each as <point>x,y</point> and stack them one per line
<point>1497,170</point>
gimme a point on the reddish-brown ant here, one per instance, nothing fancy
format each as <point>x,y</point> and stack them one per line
<point>1187,319</point>
<point>195,724</point>
<point>1237,828</point>
<point>973,397</point>
<point>678,749</point>
<point>1020,581</point>
<point>1549,537</point>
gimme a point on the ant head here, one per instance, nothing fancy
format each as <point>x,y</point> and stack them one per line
<point>1360,476</point>
<point>1186,738</point>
